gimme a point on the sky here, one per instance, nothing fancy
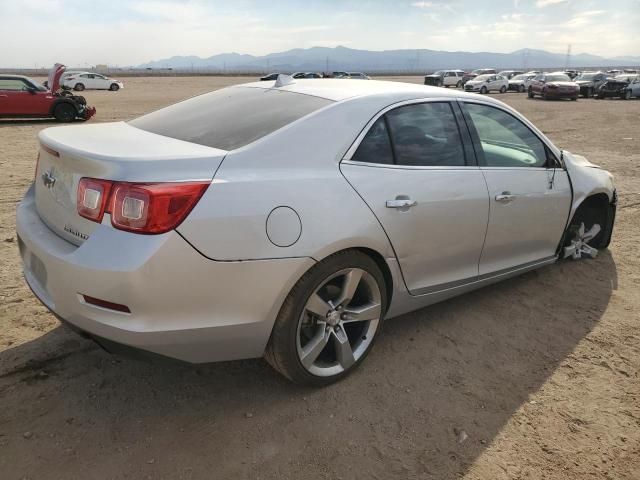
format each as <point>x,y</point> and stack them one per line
<point>130,32</point>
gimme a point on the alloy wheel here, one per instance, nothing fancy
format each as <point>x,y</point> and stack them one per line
<point>338,322</point>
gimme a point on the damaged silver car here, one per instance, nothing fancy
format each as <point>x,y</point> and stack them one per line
<point>288,219</point>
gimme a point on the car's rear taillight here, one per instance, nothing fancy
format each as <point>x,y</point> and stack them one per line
<point>93,195</point>
<point>148,208</point>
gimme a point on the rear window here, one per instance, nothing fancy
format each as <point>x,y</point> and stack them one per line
<point>229,118</point>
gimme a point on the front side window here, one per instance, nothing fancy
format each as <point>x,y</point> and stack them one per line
<point>12,84</point>
<point>230,118</point>
<point>426,134</point>
<point>505,140</point>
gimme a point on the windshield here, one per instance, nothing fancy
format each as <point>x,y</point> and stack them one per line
<point>557,78</point>
<point>521,77</point>
<point>229,118</point>
<point>586,76</point>
<point>482,77</point>
<point>439,72</point>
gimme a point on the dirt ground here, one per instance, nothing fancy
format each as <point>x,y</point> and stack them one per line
<point>533,378</point>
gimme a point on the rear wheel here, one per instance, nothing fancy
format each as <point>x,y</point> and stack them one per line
<point>503,89</point>
<point>329,321</point>
<point>459,84</point>
<point>64,112</point>
<point>114,87</point>
<point>79,87</point>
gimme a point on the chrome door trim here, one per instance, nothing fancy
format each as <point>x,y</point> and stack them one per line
<point>487,276</point>
<point>408,167</point>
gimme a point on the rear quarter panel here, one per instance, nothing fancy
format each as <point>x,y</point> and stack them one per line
<point>298,167</point>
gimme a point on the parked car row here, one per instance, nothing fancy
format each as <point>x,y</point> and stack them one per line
<point>566,84</point>
<point>297,75</point>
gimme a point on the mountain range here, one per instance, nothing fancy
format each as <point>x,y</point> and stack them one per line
<point>422,60</point>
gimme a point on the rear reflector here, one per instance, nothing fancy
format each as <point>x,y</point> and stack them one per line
<point>50,150</point>
<point>105,304</point>
<point>148,208</point>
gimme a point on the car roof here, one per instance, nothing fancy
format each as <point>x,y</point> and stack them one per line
<point>342,89</point>
<point>7,76</point>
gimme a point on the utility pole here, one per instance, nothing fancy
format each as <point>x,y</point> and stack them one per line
<point>326,65</point>
<point>568,59</point>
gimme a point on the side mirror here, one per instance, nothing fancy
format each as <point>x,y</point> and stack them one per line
<point>32,90</point>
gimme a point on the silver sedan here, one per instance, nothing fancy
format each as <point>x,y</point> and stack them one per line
<point>287,219</point>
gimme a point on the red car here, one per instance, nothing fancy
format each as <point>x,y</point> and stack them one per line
<point>23,97</point>
<point>553,85</point>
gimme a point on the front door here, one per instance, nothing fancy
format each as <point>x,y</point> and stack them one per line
<point>420,181</point>
<point>16,99</point>
<point>530,194</point>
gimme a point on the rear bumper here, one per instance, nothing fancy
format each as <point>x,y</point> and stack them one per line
<point>182,304</point>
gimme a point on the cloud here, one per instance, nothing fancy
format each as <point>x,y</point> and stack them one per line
<point>546,3</point>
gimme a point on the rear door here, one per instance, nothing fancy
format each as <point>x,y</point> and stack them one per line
<point>415,169</point>
<point>530,193</point>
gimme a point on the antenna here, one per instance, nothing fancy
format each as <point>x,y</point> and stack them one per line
<point>283,80</point>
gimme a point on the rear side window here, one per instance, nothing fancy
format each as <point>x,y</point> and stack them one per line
<point>375,146</point>
<point>423,134</point>
<point>426,134</point>
<point>229,118</point>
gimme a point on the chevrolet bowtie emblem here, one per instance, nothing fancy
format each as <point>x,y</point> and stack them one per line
<point>48,179</point>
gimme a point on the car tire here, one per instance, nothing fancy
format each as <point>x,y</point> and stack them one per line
<point>589,93</point>
<point>64,112</point>
<point>297,327</point>
<point>521,89</point>
<point>627,95</point>
<point>78,87</point>
<point>438,83</point>
<point>114,87</point>
<point>503,89</point>
<point>459,84</point>
<point>530,93</point>
<point>574,99</point>
<point>484,90</point>
<point>544,94</point>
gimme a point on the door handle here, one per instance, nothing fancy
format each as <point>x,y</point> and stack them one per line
<point>505,197</point>
<point>401,203</point>
<point>3,96</point>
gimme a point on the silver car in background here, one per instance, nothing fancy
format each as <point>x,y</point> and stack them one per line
<point>287,219</point>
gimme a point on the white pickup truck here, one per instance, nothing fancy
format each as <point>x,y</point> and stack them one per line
<point>445,78</point>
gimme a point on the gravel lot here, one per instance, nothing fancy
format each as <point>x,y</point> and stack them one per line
<point>533,378</point>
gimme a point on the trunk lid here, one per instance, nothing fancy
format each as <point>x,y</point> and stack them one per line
<point>110,151</point>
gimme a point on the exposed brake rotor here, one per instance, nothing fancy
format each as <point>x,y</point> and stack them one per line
<point>579,246</point>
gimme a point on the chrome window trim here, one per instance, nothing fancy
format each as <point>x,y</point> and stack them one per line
<point>408,167</point>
